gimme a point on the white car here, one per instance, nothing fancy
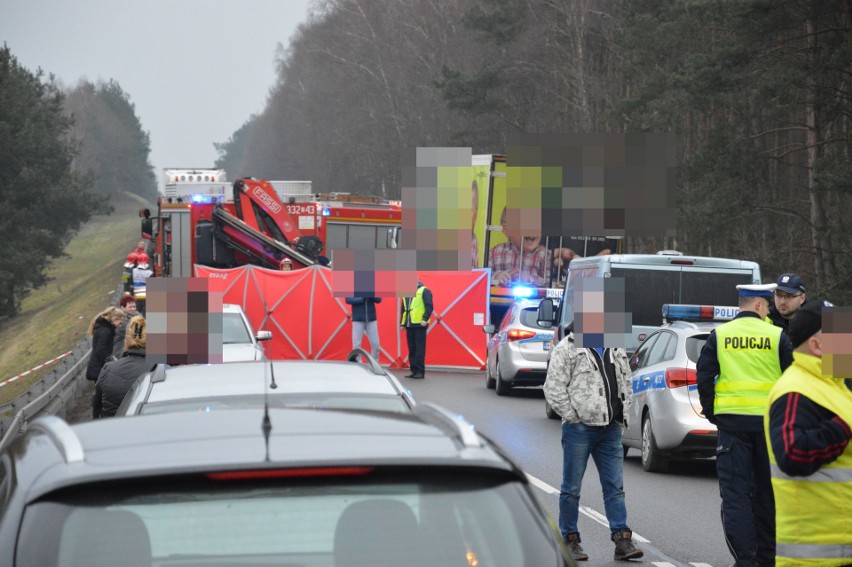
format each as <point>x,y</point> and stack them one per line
<point>239,341</point>
<point>349,385</point>
<point>665,420</point>
<point>518,349</point>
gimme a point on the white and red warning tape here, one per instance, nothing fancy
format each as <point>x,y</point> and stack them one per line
<point>31,370</point>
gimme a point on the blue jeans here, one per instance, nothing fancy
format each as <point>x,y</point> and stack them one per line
<point>604,445</point>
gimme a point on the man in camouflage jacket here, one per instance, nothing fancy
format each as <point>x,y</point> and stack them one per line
<point>591,389</point>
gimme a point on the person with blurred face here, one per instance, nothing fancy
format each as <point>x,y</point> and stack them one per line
<point>589,384</point>
<point>520,259</point>
<point>808,432</point>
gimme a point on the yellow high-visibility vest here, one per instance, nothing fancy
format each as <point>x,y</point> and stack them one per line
<point>749,365</point>
<point>413,309</point>
<point>813,514</point>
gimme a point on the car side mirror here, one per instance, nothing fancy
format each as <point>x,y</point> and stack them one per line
<point>546,316</point>
<point>264,335</point>
<point>489,329</point>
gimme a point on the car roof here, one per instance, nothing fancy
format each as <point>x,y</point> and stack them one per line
<point>254,377</point>
<point>692,327</point>
<point>658,260</point>
<point>53,454</point>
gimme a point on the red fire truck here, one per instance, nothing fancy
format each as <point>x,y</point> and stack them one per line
<point>216,227</point>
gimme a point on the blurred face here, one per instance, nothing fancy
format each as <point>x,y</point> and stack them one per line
<point>788,303</point>
<point>599,316</point>
<point>836,341</point>
<point>474,204</point>
<point>130,308</point>
<point>530,243</point>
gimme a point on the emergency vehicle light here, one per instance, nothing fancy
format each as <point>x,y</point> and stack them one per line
<point>681,312</point>
<point>522,291</point>
<point>326,211</point>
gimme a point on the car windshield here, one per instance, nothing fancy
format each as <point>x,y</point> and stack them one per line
<point>374,518</point>
<point>391,403</point>
<point>234,330</point>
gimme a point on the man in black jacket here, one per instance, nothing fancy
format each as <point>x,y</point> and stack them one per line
<point>789,298</point>
<point>118,376</point>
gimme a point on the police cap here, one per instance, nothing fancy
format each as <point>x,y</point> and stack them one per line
<point>791,283</point>
<point>757,290</point>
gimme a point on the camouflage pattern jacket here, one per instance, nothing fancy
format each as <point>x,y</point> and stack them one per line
<point>576,389</point>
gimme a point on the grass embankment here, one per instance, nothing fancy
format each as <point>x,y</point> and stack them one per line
<point>55,317</point>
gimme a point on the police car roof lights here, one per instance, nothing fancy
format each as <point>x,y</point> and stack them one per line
<point>524,291</point>
<point>683,312</point>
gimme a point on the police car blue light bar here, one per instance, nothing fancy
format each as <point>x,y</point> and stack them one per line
<point>523,291</point>
<point>683,312</point>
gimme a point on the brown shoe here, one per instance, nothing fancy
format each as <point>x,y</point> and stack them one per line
<point>624,548</point>
<point>572,542</point>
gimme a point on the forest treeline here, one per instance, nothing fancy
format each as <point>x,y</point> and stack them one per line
<point>757,91</point>
<point>63,154</point>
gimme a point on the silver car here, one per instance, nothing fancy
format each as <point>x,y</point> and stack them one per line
<point>665,419</point>
<point>298,383</point>
<point>517,349</point>
<point>239,341</point>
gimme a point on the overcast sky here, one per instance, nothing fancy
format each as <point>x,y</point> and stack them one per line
<point>194,69</point>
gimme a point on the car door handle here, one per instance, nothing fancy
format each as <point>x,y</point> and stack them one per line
<point>645,379</point>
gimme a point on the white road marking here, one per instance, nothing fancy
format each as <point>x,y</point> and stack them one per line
<point>593,514</point>
<point>663,564</point>
<point>701,564</point>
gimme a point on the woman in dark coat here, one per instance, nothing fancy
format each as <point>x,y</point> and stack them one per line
<point>102,329</point>
<point>119,375</point>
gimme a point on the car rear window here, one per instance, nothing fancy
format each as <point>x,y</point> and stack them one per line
<point>694,344</point>
<point>711,288</point>
<point>445,519</point>
<point>529,316</point>
<point>647,290</point>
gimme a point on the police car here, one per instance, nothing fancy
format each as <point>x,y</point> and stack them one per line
<point>517,349</point>
<point>665,420</point>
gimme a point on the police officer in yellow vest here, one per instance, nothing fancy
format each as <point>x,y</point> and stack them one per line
<point>808,432</point>
<point>739,364</point>
<point>415,318</point>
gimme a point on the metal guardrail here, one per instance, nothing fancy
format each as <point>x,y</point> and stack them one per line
<point>47,397</point>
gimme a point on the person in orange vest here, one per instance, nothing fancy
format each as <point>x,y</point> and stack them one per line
<point>415,318</point>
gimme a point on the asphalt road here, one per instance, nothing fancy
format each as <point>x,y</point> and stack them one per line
<point>675,516</point>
